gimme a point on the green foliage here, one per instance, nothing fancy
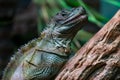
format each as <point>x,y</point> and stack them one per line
<point>113,2</point>
<point>48,8</point>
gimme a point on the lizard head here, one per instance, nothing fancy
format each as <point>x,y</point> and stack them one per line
<point>68,22</point>
<point>63,28</point>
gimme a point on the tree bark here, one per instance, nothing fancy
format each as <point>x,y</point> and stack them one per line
<point>98,59</point>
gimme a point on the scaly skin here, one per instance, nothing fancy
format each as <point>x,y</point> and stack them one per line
<point>42,58</point>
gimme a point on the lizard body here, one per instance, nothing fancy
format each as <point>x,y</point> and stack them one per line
<point>42,58</point>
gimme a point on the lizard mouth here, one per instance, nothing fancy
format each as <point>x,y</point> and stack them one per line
<point>76,24</point>
<point>72,22</point>
<point>76,19</point>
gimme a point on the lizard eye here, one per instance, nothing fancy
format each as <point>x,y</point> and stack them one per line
<point>63,14</point>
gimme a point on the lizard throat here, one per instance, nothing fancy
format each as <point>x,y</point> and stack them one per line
<point>53,44</point>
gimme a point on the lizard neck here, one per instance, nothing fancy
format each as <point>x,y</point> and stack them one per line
<point>53,43</point>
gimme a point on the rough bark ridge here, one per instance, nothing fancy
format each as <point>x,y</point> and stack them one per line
<point>99,59</point>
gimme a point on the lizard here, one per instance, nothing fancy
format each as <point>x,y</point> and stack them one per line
<point>43,58</point>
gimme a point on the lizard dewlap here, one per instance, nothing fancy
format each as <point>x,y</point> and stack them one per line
<point>42,58</point>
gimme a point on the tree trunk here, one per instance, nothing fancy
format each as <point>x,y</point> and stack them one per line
<point>99,59</point>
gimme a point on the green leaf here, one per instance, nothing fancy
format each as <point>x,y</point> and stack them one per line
<point>100,17</point>
<point>91,16</point>
<point>113,2</point>
<point>72,3</point>
<point>63,4</point>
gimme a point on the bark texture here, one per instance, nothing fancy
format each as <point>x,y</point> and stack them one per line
<point>99,59</point>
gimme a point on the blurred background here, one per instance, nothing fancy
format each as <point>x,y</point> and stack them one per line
<point>23,20</point>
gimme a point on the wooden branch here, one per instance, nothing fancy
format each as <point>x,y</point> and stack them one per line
<point>99,59</point>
